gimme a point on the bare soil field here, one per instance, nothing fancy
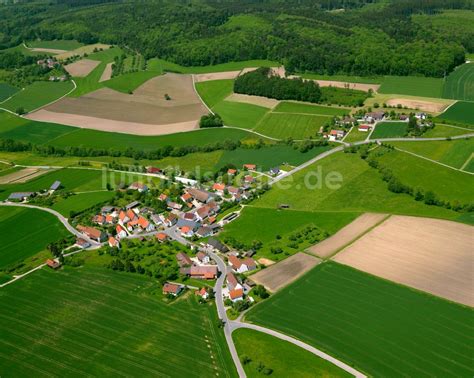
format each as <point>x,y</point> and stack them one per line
<point>426,106</point>
<point>345,235</point>
<point>24,175</point>
<point>435,256</point>
<point>254,100</point>
<point>82,67</point>
<point>343,84</point>
<point>50,51</point>
<point>81,51</point>
<point>279,275</point>
<point>145,112</point>
<point>265,261</point>
<point>216,76</point>
<point>107,74</point>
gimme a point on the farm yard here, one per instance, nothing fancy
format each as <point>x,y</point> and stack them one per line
<point>435,259</point>
<point>115,323</point>
<point>357,312</point>
<point>389,130</point>
<point>282,357</point>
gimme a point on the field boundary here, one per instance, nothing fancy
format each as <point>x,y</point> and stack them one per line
<point>468,160</point>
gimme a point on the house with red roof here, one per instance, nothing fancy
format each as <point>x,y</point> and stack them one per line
<point>92,233</point>
<point>186,232</point>
<point>53,264</point>
<point>202,293</point>
<point>250,167</point>
<point>242,265</point>
<point>236,295</point>
<point>113,242</point>
<point>219,188</point>
<point>365,128</point>
<point>231,172</point>
<point>121,233</point>
<point>172,289</point>
<point>161,237</point>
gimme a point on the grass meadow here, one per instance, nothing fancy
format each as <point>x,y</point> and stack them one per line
<point>80,202</point>
<point>287,125</point>
<point>389,130</point>
<point>351,315</point>
<point>57,44</point>
<point>92,321</point>
<point>355,135</point>
<point>128,82</point>
<point>295,107</point>
<point>461,112</point>
<point>412,85</point>
<point>284,358</point>
<point>459,85</point>
<point>441,130</point>
<point>238,114</point>
<point>6,91</point>
<point>214,91</point>
<point>38,94</point>
<point>25,232</point>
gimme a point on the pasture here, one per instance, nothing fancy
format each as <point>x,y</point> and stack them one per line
<point>114,323</point>
<point>80,202</point>
<point>284,358</point>
<point>214,91</point>
<point>412,85</point>
<point>436,258</point>
<point>389,130</point>
<point>26,232</point>
<point>6,91</point>
<point>459,84</point>
<point>302,108</point>
<point>38,94</point>
<point>349,314</point>
<point>441,130</point>
<point>296,126</point>
<point>238,114</point>
<point>461,112</point>
<point>355,135</point>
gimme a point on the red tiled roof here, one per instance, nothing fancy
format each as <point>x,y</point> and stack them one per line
<point>237,293</point>
<point>218,186</point>
<point>235,262</point>
<point>171,288</point>
<point>161,236</point>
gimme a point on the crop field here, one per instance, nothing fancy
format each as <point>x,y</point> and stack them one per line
<point>459,85</point>
<point>415,259</point>
<point>81,202</point>
<point>349,314</point>
<point>214,91</point>
<point>82,67</point>
<point>26,232</point>
<point>284,358</point>
<point>296,107</point>
<point>344,182</point>
<point>238,114</point>
<point>37,94</point>
<point>453,153</point>
<point>296,126</point>
<point>276,226</point>
<point>114,323</point>
<point>6,91</point>
<point>145,112</point>
<point>22,175</point>
<point>461,112</point>
<point>412,85</point>
<point>57,44</point>
<point>389,130</point>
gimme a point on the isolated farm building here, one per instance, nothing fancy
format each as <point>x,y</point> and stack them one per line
<point>202,272</point>
<point>202,293</point>
<point>82,243</point>
<point>162,197</point>
<point>217,245</point>
<point>242,266</point>
<point>200,195</point>
<point>236,295</point>
<point>161,237</point>
<point>153,170</point>
<point>92,233</point>
<point>121,233</point>
<point>219,188</point>
<point>231,171</point>
<point>183,259</point>
<point>20,196</point>
<point>141,187</point>
<point>232,282</point>
<point>172,289</point>
<point>365,128</point>
<point>113,242</point>
<point>53,263</point>
<point>204,231</point>
<point>55,186</point>
<point>203,258</point>
<point>250,167</point>
<point>171,219</point>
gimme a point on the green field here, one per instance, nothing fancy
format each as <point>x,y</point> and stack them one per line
<point>6,91</point>
<point>459,85</point>
<point>284,358</point>
<point>130,81</point>
<point>412,85</point>
<point>81,202</point>
<point>389,130</point>
<point>57,44</point>
<point>461,111</point>
<point>91,321</point>
<point>295,107</point>
<point>453,153</point>
<point>355,135</point>
<point>273,223</point>
<point>441,130</point>
<point>214,91</point>
<point>296,126</point>
<point>360,189</point>
<point>25,232</point>
<point>351,315</point>
<point>238,114</point>
<point>38,94</point>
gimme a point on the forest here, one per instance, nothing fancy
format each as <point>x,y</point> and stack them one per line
<point>367,37</point>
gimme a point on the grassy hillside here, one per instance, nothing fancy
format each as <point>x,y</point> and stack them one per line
<point>459,85</point>
<point>295,107</point>
<point>350,314</point>
<point>461,112</point>
<point>238,114</point>
<point>6,90</point>
<point>214,91</point>
<point>57,44</point>
<point>412,85</point>
<point>113,323</point>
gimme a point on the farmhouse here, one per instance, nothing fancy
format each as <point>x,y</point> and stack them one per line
<point>55,186</point>
<point>92,233</point>
<point>336,134</point>
<point>232,282</point>
<point>53,264</point>
<point>172,289</point>
<point>374,116</point>
<point>208,272</point>
<point>242,266</point>
<point>365,128</point>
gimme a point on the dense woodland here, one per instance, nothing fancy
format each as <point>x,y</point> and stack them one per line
<point>367,37</point>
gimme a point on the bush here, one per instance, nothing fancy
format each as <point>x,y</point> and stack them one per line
<point>210,120</point>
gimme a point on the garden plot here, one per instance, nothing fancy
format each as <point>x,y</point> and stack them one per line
<point>431,255</point>
<point>82,67</point>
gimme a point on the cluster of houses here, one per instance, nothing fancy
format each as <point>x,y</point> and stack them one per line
<point>47,63</point>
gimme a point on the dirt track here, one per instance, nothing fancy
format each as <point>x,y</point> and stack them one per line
<point>283,273</point>
<point>427,106</point>
<point>82,67</point>
<point>107,74</point>
<point>431,255</point>
<point>346,235</point>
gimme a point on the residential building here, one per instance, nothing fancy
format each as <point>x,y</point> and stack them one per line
<point>113,242</point>
<point>250,167</point>
<point>183,259</point>
<point>141,187</point>
<point>121,233</point>
<point>365,128</point>
<point>53,264</point>
<point>92,233</point>
<point>242,265</point>
<point>217,245</point>
<point>161,236</point>
<point>203,257</point>
<point>172,289</point>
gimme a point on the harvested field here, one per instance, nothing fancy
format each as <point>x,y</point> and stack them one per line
<point>426,106</point>
<point>279,275</point>
<point>51,51</point>
<point>82,50</point>
<point>216,76</point>
<point>107,74</point>
<point>346,235</point>
<point>265,261</point>
<point>345,84</point>
<point>254,100</point>
<point>82,67</point>
<point>145,112</point>
<point>21,176</point>
<point>431,255</point>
